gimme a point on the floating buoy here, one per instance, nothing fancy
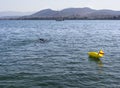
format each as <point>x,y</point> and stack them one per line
<point>99,54</point>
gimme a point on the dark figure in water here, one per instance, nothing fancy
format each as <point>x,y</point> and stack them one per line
<point>42,40</point>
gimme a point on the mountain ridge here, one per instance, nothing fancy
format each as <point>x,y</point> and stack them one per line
<point>73,14</point>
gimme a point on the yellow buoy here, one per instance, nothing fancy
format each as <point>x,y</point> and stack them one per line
<point>96,54</point>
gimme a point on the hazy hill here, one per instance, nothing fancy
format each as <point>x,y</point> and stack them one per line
<point>45,13</point>
<point>63,13</point>
<point>76,13</point>
<point>69,12</point>
<point>72,13</point>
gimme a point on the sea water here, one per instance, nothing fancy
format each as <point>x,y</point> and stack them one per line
<point>53,54</point>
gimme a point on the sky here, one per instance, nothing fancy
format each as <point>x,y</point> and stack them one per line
<point>37,5</point>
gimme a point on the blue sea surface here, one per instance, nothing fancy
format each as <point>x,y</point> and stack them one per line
<point>53,54</point>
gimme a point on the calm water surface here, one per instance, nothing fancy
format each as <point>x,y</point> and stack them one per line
<point>51,54</point>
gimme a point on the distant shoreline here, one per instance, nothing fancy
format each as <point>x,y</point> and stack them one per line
<point>69,14</point>
<point>59,20</point>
